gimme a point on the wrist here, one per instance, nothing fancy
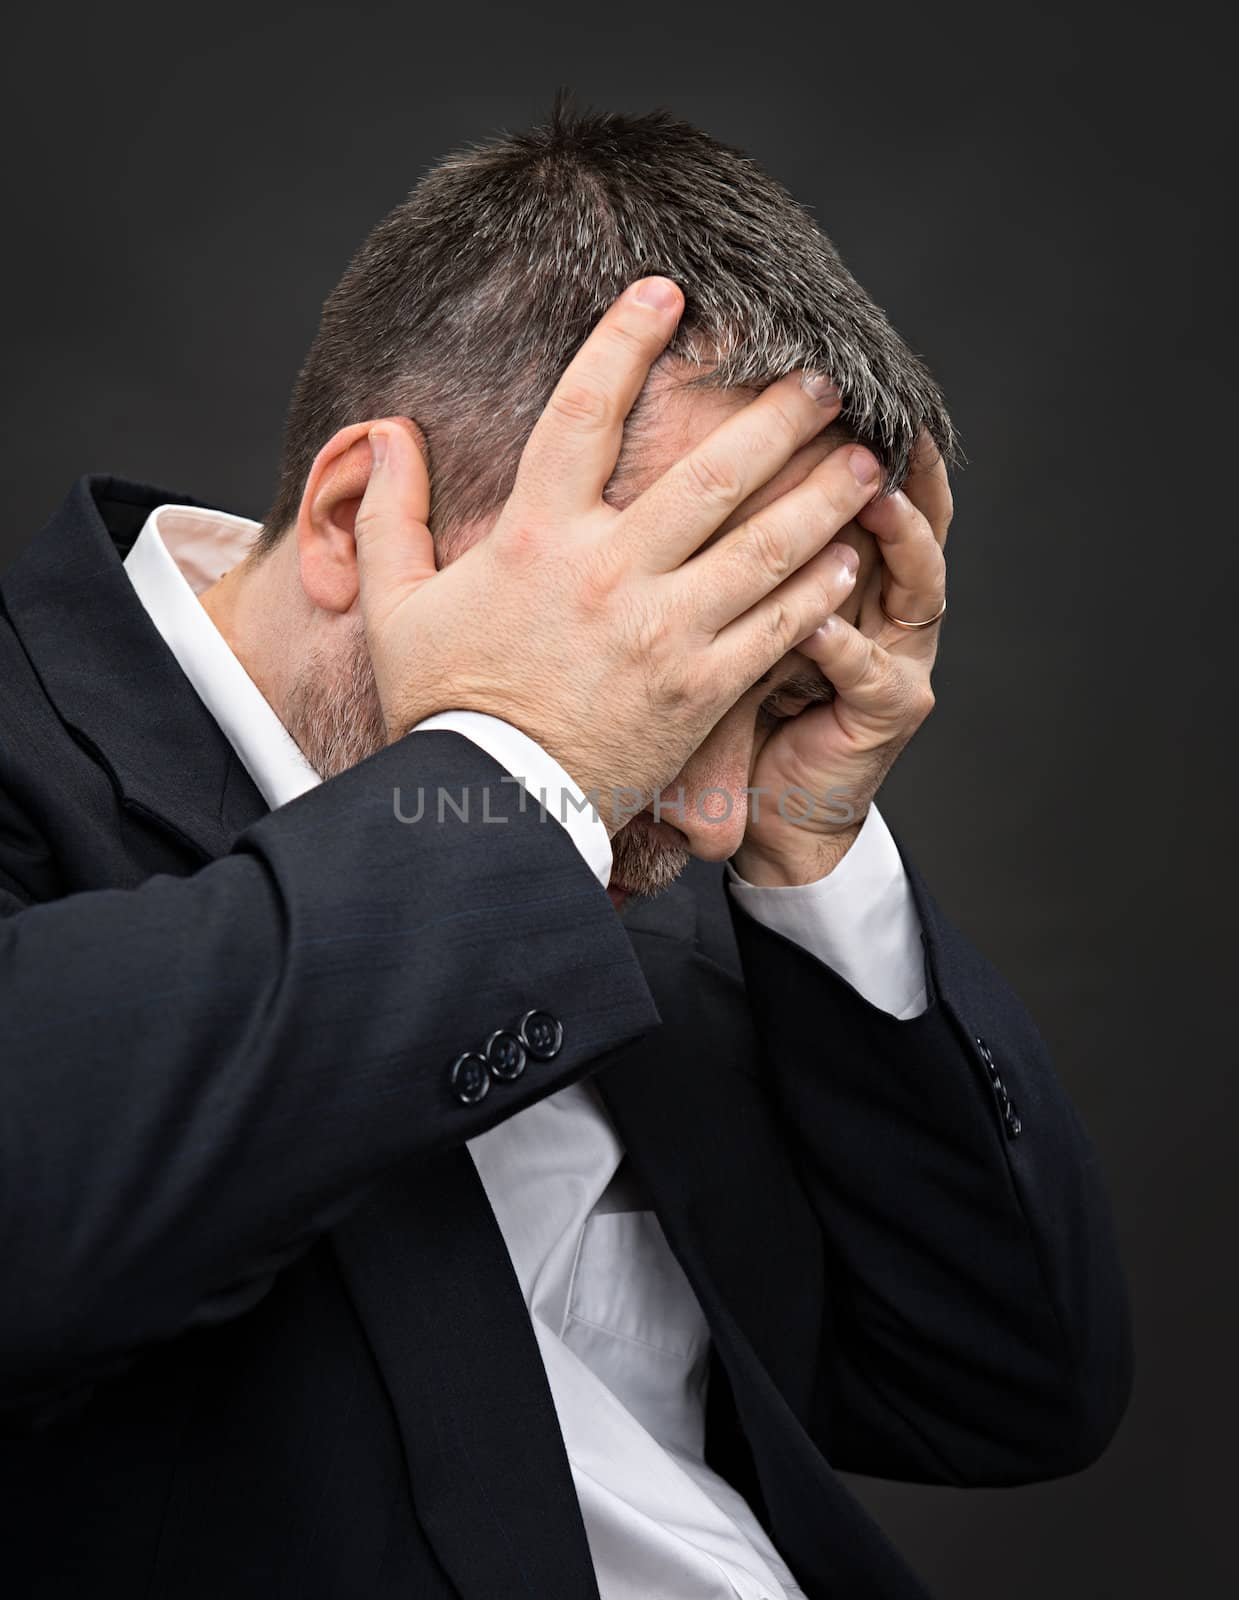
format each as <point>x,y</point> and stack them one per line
<point>794,858</point>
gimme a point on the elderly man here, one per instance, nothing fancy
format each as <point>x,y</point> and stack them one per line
<point>390,1210</point>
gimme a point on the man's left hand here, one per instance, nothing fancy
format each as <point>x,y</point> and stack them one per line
<point>840,752</point>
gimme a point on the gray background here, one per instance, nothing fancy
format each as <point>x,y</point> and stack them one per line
<point>1030,195</point>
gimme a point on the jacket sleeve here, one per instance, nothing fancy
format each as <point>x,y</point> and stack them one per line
<point>200,1075</point>
<point>981,1333</point>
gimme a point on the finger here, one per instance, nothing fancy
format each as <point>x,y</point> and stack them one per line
<point>868,574</point>
<point>751,645</point>
<point>929,488</point>
<point>575,443</point>
<point>914,582</point>
<point>679,512</point>
<point>753,559</point>
<point>879,687</point>
<point>394,549</point>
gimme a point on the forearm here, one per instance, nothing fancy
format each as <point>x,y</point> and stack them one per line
<point>203,1074</point>
<point>983,1329</point>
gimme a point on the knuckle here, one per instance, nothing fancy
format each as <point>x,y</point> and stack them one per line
<point>766,551</point>
<point>780,623</point>
<point>653,648</point>
<point>784,427</point>
<point>582,403</point>
<point>828,501</point>
<point>781,431</point>
<point>647,631</point>
<point>875,672</point>
<point>712,479</point>
<point>518,544</point>
<point>626,339</point>
<point>673,688</point>
<point>932,583</point>
<point>827,597</point>
<point>596,584</point>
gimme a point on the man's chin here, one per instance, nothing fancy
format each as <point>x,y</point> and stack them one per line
<point>643,862</point>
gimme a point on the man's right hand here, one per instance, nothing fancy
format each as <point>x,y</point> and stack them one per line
<point>610,637</point>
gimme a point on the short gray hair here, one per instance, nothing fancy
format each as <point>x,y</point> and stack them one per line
<point>466,302</point>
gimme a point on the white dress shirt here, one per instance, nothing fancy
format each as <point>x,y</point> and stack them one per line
<point>623,1339</point>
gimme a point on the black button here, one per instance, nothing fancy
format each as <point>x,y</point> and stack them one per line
<point>1003,1099</point>
<point>505,1055</point>
<point>1014,1125</point>
<point>469,1077</point>
<point>541,1034</point>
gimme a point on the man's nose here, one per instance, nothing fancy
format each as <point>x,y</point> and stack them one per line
<point>712,817</point>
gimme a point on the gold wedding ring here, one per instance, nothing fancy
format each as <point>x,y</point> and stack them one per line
<point>900,623</point>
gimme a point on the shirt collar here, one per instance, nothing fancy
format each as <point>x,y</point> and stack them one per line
<point>180,551</point>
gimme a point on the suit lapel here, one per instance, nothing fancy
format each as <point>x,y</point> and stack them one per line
<point>111,678</point>
<point>699,1126</point>
<point>431,1279</point>
<point>697,1122</point>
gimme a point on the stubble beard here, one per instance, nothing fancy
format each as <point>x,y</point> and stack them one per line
<point>334,716</point>
<point>333,712</point>
<point>644,866</point>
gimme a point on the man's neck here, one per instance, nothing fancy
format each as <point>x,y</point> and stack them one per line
<point>250,607</point>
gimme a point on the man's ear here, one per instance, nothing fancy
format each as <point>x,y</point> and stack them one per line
<point>333,490</point>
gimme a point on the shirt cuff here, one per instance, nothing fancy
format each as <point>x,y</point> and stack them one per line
<point>860,920</point>
<point>541,776</point>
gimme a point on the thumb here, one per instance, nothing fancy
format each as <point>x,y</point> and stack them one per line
<point>395,552</point>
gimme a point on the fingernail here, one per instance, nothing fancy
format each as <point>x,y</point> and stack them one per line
<point>831,625</point>
<point>378,449</point>
<point>821,387</point>
<point>659,294</point>
<point>864,466</point>
<point>848,561</point>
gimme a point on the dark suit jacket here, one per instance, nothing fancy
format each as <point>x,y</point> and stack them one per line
<point>260,1333</point>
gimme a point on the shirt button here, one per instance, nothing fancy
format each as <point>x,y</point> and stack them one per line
<point>541,1034</point>
<point>469,1077</point>
<point>988,1057</point>
<point>505,1055</point>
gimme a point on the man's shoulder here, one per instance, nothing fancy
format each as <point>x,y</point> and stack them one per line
<point>102,512</point>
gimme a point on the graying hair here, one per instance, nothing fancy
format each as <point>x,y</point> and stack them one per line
<point>467,301</point>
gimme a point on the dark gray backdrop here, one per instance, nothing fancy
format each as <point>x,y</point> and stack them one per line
<point>1031,196</point>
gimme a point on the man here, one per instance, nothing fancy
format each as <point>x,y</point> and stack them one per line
<point>384,1214</point>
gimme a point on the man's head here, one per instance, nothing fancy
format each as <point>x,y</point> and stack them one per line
<point>464,306</point>
<point>466,303</point>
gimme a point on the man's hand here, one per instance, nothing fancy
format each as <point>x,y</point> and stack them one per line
<point>840,752</point>
<point>610,637</point>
